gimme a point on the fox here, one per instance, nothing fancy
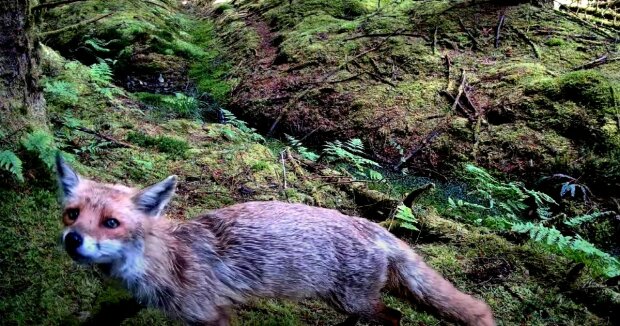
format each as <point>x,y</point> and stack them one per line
<point>198,270</point>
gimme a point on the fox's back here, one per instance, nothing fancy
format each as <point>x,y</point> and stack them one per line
<point>298,250</point>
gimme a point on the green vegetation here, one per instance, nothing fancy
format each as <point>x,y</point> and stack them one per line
<point>505,206</point>
<point>355,86</point>
<point>177,148</point>
<point>11,163</point>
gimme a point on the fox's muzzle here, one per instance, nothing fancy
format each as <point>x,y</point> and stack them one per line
<point>73,241</point>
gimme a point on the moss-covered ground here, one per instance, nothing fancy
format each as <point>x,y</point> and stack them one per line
<point>154,113</point>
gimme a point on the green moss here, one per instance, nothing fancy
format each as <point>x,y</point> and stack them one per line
<point>587,87</point>
<point>40,284</point>
<point>554,41</point>
<point>177,148</point>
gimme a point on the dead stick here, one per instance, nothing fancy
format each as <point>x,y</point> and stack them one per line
<point>597,62</point>
<point>477,135</point>
<point>384,34</point>
<point>448,66</point>
<point>429,139</point>
<point>460,92</point>
<point>435,40</point>
<point>470,103</point>
<point>459,106</point>
<point>529,41</point>
<point>94,133</point>
<point>499,29</point>
<point>82,23</point>
<point>53,4</point>
<point>471,36</point>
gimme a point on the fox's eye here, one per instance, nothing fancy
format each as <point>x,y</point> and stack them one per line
<point>111,223</point>
<point>73,213</point>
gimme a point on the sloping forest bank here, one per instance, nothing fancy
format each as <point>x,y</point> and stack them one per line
<point>345,104</point>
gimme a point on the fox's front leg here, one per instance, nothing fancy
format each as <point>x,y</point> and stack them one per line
<point>222,319</point>
<point>350,321</point>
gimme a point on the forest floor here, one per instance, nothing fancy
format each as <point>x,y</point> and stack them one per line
<point>136,96</point>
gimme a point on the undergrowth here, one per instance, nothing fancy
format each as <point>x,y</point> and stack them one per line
<point>510,206</point>
<point>176,148</point>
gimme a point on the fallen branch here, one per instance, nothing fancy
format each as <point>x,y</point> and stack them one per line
<point>435,40</point>
<point>588,24</point>
<point>460,92</point>
<point>383,35</point>
<point>381,79</point>
<point>80,24</point>
<point>296,167</point>
<point>476,135</point>
<point>53,4</point>
<point>448,66</point>
<point>529,41</point>
<point>283,168</point>
<point>459,105</point>
<point>94,133</point>
<point>428,140</point>
<point>343,80</point>
<point>471,36</point>
<point>499,29</point>
<point>416,193</point>
<point>470,103</point>
<point>596,62</point>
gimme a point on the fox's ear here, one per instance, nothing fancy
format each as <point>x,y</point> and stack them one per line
<point>152,200</point>
<point>67,178</point>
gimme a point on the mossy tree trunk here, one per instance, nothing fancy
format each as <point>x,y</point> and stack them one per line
<point>22,107</point>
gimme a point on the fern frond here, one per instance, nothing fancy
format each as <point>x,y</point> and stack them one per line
<point>349,152</point>
<point>61,91</point>
<point>578,220</point>
<point>11,163</point>
<point>41,143</point>
<point>406,218</point>
<point>575,248</point>
<point>101,73</point>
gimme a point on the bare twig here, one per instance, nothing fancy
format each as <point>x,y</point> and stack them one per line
<point>596,62</point>
<point>460,92</point>
<point>80,24</point>
<point>595,28</point>
<point>53,4</point>
<point>435,40</point>
<point>428,140</point>
<point>381,79</point>
<point>94,133</point>
<point>471,36</point>
<point>416,193</point>
<point>499,29</point>
<point>449,96</point>
<point>448,67</point>
<point>529,41</point>
<point>383,35</point>
<point>283,168</point>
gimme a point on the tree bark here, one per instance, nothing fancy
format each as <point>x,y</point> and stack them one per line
<point>22,107</point>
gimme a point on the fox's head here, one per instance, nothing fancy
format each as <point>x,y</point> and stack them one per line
<point>103,222</point>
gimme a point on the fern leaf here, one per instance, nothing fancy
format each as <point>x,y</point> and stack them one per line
<point>101,73</point>
<point>11,163</point>
<point>41,143</point>
<point>406,217</point>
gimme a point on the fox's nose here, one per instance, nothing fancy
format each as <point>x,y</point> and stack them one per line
<point>73,241</point>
